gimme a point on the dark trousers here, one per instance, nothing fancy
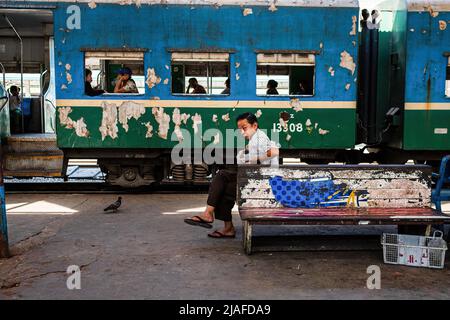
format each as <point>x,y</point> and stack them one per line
<point>15,120</point>
<point>222,194</point>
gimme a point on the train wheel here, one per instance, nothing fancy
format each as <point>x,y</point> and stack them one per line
<point>128,175</point>
<point>130,178</point>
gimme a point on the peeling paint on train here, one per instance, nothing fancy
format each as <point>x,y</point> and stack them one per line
<point>202,25</point>
<point>426,106</point>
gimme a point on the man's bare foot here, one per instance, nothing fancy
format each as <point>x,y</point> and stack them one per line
<point>208,214</point>
<point>227,231</point>
<point>199,221</point>
<point>223,233</point>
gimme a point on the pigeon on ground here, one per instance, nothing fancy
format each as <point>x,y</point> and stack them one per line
<point>114,206</point>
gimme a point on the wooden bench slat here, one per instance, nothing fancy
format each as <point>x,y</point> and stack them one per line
<point>385,203</point>
<point>335,216</point>
<point>360,212</point>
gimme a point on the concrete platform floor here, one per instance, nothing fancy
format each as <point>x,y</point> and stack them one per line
<point>145,251</point>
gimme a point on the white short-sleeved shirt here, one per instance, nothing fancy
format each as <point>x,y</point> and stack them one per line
<point>14,103</point>
<point>258,146</point>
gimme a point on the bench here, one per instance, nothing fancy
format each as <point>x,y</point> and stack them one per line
<point>440,193</point>
<point>335,195</point>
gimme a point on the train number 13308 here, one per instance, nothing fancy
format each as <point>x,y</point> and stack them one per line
<point>291,127</point>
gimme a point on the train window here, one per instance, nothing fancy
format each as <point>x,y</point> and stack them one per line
<point>447,80</point>
<point>200,73</point>
<point>107,67</point>
<point>288,74</point>
<point>31,83</point>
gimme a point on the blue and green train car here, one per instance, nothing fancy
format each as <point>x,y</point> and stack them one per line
<point>414,68</point>
<point>427,88</point>
<point>313,50</point>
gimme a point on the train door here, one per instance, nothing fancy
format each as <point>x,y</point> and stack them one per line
<point>27,59</point>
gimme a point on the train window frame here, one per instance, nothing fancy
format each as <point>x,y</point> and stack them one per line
<point>190,58</point>
<point>447,78</point>
<point>289,60</point>
<point>118,57</point>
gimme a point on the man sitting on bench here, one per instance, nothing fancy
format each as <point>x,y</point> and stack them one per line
<point>222,191</point>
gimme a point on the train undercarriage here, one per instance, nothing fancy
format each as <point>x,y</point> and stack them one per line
<point>135,168</point>
<point>37,155</point>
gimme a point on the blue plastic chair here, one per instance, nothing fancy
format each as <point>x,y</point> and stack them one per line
<point>439,193</point>
<point>26,106</point>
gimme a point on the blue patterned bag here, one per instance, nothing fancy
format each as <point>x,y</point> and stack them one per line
<point>302,193</point>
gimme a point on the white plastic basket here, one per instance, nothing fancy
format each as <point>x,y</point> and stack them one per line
<point>414,251</point>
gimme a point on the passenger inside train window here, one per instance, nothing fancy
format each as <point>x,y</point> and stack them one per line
<point>194,87</point>
<point>272,87</point>
<point>105,67</point>
<point>209,69</point>
<point>15,110</point>
<point>301,89</point>
<point>124,83</point>
<point>227,87</point>
<point>14,98</point>
<point>88,90</point>
<point>294,73</point>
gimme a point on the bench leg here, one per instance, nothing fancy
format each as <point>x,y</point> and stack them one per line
<point>247,236</point>
<point>428,231</point>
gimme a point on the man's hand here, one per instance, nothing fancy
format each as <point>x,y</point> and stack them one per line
<point>241,158</point>
<point>119,84</point>
<point>273,152</point>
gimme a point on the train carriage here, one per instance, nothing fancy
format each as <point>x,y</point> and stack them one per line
<point>412,120</point>
<point>174,42</point>
<point>340,83</point>
<point>427,79</point>
<point>314,44</point>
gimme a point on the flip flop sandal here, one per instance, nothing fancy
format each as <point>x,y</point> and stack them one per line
<point>202,223</point>
<point>219,235</point>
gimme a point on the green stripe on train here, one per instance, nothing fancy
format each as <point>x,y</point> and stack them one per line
<point>308,129</point>
<point>427,130</point>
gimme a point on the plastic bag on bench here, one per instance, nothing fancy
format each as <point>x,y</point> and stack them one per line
<point>313,193</point>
